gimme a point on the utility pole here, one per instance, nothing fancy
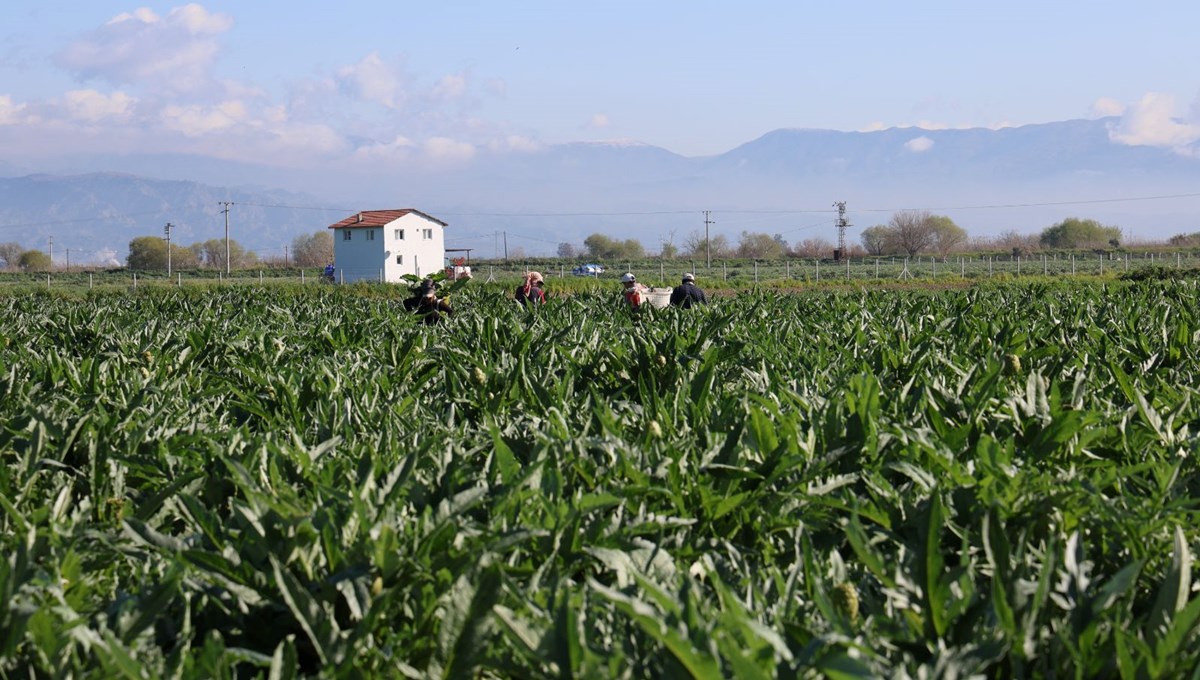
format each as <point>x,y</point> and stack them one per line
<point>286,262</point>
<point>226,211</point>
<point>52,252</point>
<point>707,249</point>
<point>842,223</point>
<point>506,248</point>
<point>167,231</point>
<point>68,259</point>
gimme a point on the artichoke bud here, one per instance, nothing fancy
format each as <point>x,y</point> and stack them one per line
<point>845,600</point>
<point>654,429</point>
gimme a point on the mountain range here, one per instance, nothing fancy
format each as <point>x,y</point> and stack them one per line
<point>989,181</point>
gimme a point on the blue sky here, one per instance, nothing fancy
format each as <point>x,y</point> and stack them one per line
<point>304,84</point>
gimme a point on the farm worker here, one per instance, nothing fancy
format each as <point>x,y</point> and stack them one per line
<point>329,271</point>
<point>635,292</point>
<point>530,291</point>
<point>688,293</point>
<point>426,303</point>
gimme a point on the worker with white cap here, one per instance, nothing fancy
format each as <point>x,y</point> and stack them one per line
<point>635,293</point>
<point>688,293</point>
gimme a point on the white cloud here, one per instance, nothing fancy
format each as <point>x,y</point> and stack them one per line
<point>877,126</point>
<point>450,87</point>
<point>1107,106</point>
<point>373,80</point>
<point>174,52</point>
<point>518,143</point>
<point>919,144</point>
<point>195,120</point>
<point>92,106</point>
<point>1151,122</point>
<point>598,121</point>
<point>449,150</point>
<point>399,148</point>
<point>10,113</point>
<point>930,125</point>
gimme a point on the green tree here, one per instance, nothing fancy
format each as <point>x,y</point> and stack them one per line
<point>875,239</point>
<point>211,253</point>
<point>33,261</point>
<point>759,246</point>
<point>150,252</point>
<point>1074,232</point>
<point>313,250</point>
<point>602,247</point>
<point>947,236</point>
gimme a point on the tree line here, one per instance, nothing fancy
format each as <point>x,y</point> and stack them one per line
<point>149,253</point>
<point>908,233</point>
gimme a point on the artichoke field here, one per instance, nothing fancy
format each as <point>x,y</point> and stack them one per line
<point>275,482</point>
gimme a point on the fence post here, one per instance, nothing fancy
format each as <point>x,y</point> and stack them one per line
<point>47,280</point>
<point>1018,259</point>
<point>662,278</point>
<point>1072,264</point>
<point>818,269</point>
<point>89,280</point>
<point>877,267</point>
<point>1101,264</point>
<point>724,272</point>
<point>302,277</point>
<point>135,280</point>
<point>178,280</point>
<point>756,271</point>
<point>787,269</point>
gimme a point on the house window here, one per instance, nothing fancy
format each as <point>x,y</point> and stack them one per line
<point>399,259</point>
<point>346,235</point>
<point>399,234</point>
<point>370,234</point>
<point>427,234</point>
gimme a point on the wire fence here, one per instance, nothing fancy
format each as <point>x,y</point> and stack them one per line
<point>670,272</point>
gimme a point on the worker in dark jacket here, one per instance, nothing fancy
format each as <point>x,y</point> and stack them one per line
<point>688,293</point>
<point>427,304</point>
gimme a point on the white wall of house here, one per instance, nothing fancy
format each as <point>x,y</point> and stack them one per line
<point>411,244</point>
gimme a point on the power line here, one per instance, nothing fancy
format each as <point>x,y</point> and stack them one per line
<point>103,218</point>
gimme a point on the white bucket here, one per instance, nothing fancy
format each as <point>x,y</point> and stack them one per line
<point>659,297</point>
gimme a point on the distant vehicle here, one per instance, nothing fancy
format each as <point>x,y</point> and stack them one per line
<point>588,270</point>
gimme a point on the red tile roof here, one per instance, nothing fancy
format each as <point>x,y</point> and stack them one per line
<point>379,218</point>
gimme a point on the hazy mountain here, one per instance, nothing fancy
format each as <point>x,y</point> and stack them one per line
<point>96,215</point>
<point>1021,179</point>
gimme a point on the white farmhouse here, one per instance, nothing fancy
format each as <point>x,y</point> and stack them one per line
<point>383,245</point>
